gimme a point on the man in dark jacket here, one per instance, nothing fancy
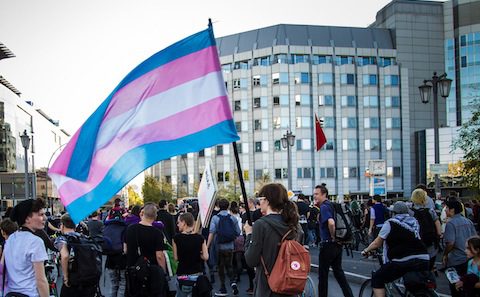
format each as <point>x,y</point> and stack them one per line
<point>167,219</point>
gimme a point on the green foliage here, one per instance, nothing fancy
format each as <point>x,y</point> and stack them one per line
<point>154,190</point>
<point>133,197</point>
<point>263,180</point>
<point>469,141</point>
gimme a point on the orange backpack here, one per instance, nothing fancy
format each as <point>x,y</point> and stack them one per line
<point>291,268</point>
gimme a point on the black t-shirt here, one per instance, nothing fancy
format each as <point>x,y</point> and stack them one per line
<point>150,240</point>
<point>303,208</point>
<point>189,247</point>
<point>256,214</point>
<point>95,228</point>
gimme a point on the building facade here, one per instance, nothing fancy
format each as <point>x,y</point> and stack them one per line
<point>277,78</point>
<point>46,136</point>
<point>462,58</point>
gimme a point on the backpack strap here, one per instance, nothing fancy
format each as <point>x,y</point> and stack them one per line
<point>265,270</point>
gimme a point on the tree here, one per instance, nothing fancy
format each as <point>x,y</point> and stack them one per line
<point>154,190</point>
<point>263,180</point>
<point>133,197</point>
<point>469,142</point>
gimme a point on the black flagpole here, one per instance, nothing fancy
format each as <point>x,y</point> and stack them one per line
<point>242,184</point>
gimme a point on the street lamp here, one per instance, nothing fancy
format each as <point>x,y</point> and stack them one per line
<point>184,157</point>
<point>288,140</point>
<point>443,83</point>
<point>26,144</point>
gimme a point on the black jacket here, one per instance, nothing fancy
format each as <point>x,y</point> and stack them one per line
<point>264,241</point>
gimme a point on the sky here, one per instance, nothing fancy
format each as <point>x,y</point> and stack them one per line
<point>71,54</point>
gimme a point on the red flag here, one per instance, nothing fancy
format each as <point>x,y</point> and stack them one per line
<point>319,135</point>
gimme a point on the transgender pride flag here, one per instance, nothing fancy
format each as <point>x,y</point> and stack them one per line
<point>173,103</point>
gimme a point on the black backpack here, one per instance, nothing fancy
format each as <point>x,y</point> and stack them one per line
<point>85,263</point>
<point>113,235</point>
<point>343,225</point>
<point>226,229</point>
<point>428,232</point>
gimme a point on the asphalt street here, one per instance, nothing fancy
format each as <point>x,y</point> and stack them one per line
<point>357,270</point>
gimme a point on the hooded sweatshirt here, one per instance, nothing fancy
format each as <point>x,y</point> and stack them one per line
<point>267,233</point>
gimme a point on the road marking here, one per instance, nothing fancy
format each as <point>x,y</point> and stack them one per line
<point>367,277</point>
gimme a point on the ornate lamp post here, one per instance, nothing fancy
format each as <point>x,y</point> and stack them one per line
<point>288,140</point>
<point>26,144</point>
<point>437,82</point>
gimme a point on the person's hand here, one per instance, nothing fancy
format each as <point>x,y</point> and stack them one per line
<point>458,285</point>
<point>369,232</point>
<point>247,228</point>
<point>65,282</point>
<point>365,253</point>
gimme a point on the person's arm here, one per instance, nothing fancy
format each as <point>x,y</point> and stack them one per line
<point>448,248</point>
<point>64,257</point>
<point>438,228</point>
<point>204,255</point>
<point>161,260</point>
<point>378,242</point>
<point>449,238</point>
<point>51,227</point>
<point>372,220</point>
<point>331,228</point>
<point>253,244</point>
<point>174,247</point>
<point>41,279</point>
<point>210,239</point>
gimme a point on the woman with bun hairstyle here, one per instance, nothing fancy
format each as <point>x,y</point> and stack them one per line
<point>281,215</point>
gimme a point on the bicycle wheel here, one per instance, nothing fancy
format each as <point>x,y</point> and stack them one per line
<point>309,290</point>
<point>366,289</point>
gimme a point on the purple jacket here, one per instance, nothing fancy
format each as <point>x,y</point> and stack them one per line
<point>132,219</point>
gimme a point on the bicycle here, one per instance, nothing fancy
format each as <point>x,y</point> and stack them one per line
<point>309,290</point>
<point>397,287</point>
<point>52,271</point>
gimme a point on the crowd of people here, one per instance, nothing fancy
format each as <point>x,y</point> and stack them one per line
<point>162,250</point>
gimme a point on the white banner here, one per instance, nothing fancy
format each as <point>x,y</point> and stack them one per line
<point>206,193</point>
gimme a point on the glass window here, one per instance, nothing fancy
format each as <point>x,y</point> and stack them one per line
<point>257,125</point>
<point>303,122</point>
<point>394,144</point>
<point>241,65</point>
<point>328,122</point>
<point>245,148</point>
<point>330,172</point>
<point>325,78</point>
<point>372,144</point>
<point>220,176</point>
<point>201,153</point>
<point>300,172</point>
<point>329,146</point>
<point>262,61</point>
<point>370,101</point>
<point>258,146</point>
<point>302,78</point>
<point>239,148</point>
<point>277,145</point>
<point>237,105</point>
<point>326,100</point>
<point>361,61</point>
<point>280,78</point>
<point>238,126</point>
<point>265,146</point>
<point>397,171</point>
<point>258,173</point>
<point>349,144</point>
<point>300,58</point>
<point>393,123</point>
<point>236,84</point>
<point>320,59</point>
<point>227,68</point>
<point>299,144</point>
<point>302,100</point>
<point>307,172</point>
<point>349,172</point>
<point>219,150</point>
<point>278,173</point>
<point>349,101</point>
<point>393,101</point>
<point>347,79</point>
<point>349,122</point>
<point>280,100</point>
<point>391,80</point>
<point>370,79</point>
<point>280,59</point>
<point>280,122</point>
<point>343,60</point>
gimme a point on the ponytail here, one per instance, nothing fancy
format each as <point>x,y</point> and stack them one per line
<point>290,214</point>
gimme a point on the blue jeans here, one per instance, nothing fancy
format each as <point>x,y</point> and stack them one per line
<point>118,281</point>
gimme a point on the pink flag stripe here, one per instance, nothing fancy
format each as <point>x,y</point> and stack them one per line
<point>163,78</point>
<point>63,159</point>
<point>199,117</point>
